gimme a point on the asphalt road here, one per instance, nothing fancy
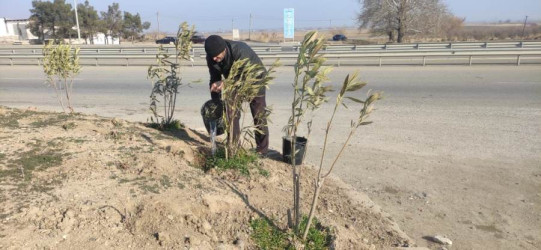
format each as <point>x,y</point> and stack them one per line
<point>452,150</point>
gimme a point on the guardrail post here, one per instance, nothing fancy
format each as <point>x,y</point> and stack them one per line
<point>518,60</point>
<point>11,61</point>
<point>127,62</point>
<point>486,45</point>
<point>97,62</point>
<point>450,45</point>
<point>471,59</point>
<point>424,60</point>
<point>417,46</point>
<point>521,44</point>
<point>380,61</point>
<point>338,61</point>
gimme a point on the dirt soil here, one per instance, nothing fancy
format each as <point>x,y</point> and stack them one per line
<point>87,182</point>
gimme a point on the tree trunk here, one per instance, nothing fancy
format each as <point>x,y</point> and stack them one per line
<point>400,36</point>
<point>401,29</point>
<point>391,36</point>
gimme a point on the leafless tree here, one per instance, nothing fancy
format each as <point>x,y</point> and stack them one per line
<point>400,18</point>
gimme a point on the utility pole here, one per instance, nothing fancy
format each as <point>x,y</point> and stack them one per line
<point>158,20</point>
<point>77,21</point>
<point>232,24</point>
<point>524,27</point>
<point>250,29</point>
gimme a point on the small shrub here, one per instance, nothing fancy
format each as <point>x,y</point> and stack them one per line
<point>61,65</point>
<point>69,125</point>
<point>165,76</point>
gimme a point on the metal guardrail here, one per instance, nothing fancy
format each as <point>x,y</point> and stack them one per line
<point>336,54</point>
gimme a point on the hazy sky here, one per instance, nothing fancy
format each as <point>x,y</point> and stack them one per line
<point>214,15</point>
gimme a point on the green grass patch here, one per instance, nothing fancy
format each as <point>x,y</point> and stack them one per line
<point>124,180</point>
<point>319,237</point>
<point>150,188</point>
<point>115,135</point>
<point>263,172</point>
<point>173,126</point>
<point>2,156</point>
<point>165,181</point>
<point>51,121</point>
<point>31,161</point>
<point>11,120</point>
<point>69,125</point>
<point>55,143</point>
<point>241,162</point>
<point>266,236</point>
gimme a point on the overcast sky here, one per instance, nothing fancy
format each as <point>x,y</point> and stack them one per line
<point>214,15</point>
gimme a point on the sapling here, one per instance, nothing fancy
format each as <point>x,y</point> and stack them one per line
<point>165,75</point>
<point>242,85</point>
<point>350,84</point>
<point>61,65</point>
<point>309,93</point>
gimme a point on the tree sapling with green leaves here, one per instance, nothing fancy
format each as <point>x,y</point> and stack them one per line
<point>309,93</point>
<point>243,84</point>
<point>165,78</point>
<point>61,65</point>
<point>351,84</point>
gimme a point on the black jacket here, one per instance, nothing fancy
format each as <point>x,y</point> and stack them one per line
<point>235,51</point>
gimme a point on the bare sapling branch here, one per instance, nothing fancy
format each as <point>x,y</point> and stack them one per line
<point>350,84</point>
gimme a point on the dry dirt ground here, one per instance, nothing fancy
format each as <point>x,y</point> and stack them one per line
<point>87,182</point>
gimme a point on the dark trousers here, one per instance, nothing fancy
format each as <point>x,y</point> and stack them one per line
<point>258,108</point>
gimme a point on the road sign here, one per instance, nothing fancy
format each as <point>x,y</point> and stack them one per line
<point>289,23</point>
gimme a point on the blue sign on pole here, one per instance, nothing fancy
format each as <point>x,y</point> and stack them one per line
<point>289,23</point>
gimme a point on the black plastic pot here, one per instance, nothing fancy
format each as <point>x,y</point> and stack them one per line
<point>300,147</point>
<point>212,112</point>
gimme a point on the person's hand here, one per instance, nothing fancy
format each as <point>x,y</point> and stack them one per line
<point>216,86</point>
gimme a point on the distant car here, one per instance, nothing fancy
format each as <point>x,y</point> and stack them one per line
<point>198,39</point>
<point>339,37</point>
<point>166,40</point>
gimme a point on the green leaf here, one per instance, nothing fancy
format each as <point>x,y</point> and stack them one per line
<point>354,99</point>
